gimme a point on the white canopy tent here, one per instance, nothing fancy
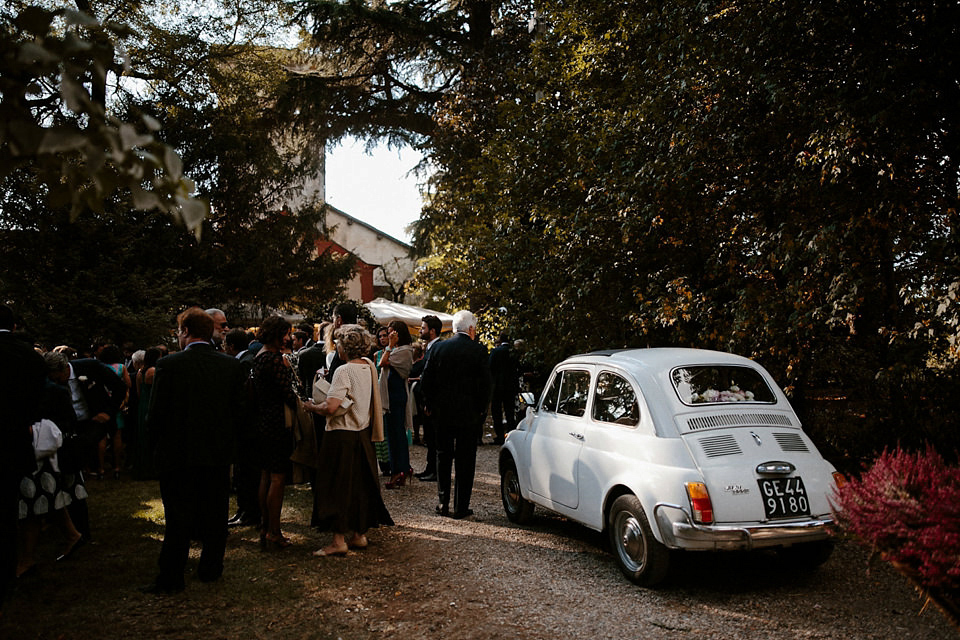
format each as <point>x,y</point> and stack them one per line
<point>386,311</point>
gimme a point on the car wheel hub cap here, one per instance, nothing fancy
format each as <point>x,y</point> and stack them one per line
<point>513,491</point>
<point>631,541</point>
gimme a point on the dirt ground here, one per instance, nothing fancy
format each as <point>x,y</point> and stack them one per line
<point>436,577</point>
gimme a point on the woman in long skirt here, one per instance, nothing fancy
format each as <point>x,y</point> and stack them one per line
<point>349,501</point>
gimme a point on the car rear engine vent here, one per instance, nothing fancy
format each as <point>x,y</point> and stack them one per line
<point>790,442</point>
<point>723,445</point>
<point>739,420</point>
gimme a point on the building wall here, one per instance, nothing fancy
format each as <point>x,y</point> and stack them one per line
<point>382,259</point>
<point>389,257</point>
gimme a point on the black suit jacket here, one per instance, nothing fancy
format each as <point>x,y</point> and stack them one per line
<point>503,370</point>
<point>58,406</point>
<point>456,381</point>
<point>195,408</point>
<point>310,361</point>
<point>22,377</point>
<point>102,388</point>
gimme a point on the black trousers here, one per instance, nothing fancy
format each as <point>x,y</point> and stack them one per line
<point>456,451</point>
<point>247,478</point>
<point>9,514</point>
<point>196,503</point>
<point>502,405</point>
<point>430,440</point>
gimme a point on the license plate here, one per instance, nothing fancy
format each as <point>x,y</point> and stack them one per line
<point>784,497</point>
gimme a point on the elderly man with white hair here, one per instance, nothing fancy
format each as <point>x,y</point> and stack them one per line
<point>456,389</point>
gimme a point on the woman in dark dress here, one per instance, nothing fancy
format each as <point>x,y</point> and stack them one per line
<point>273,383</point>
<point>143,467</point>
<point>349,500</point>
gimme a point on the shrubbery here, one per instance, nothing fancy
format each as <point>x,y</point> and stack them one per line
<point>906,507</point>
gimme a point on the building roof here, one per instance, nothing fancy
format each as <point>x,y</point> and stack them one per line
<point>369,226</point>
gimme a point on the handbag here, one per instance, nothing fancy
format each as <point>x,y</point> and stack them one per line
<point>320,388</point>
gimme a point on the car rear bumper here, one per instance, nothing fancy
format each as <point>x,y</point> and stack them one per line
<point>678,531</point>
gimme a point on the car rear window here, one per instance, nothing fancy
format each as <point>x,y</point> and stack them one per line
<point>715,384</point>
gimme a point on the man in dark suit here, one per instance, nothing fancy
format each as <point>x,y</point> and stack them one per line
<point>246,472</point>
<point>430,330</point>
<point>97,393</point>
<point>456,388</point>
<point>503,372</point>
<point>22,376</point>
<point>195,413</point>
<point>311,360</point>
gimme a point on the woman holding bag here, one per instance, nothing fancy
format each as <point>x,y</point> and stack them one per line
<point>349,501</point>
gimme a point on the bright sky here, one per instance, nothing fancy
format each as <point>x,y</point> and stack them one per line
<point>377,188</point>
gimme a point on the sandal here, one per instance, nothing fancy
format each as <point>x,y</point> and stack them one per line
<point>278,540</point>
<point>358,542</point>
<point>331,551</point>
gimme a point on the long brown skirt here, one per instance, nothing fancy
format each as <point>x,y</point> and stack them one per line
<point>348,485</point>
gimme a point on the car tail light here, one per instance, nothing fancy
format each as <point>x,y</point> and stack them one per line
<point>700,502</point>
<point>839,479</point>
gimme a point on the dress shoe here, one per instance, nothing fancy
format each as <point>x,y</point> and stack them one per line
<point>460,515</point>
<point>212,576</point>
<point>443,510</point>
<point>160,589</point>
<point>427,478</point>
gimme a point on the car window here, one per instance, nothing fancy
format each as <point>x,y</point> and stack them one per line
<point>614,400</point>
<point>719,384</point>
<point>549,402</point>
<point>573,393</point>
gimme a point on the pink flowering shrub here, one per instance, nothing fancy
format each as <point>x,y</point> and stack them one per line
<point>907,508</point>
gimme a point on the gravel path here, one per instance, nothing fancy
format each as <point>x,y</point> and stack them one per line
<point>488,578</point>
<point>437,578</point>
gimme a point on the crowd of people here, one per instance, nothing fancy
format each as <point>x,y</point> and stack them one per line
<point>235,410</point>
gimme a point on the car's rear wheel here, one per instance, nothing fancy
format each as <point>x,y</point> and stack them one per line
<point>808,555</point>
<point>519,510</point>
<point>641,557</point>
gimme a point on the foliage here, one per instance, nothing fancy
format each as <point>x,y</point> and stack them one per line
<point>54,118</point>
<point>907,507</point>
<point>206,76</point>
<point>774,179</point>
<point>378,70</point>
<point>121,277</point>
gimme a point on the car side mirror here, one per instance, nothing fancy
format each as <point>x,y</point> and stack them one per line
<point>528,399</point>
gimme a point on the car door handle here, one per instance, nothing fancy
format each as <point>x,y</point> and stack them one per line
<point>578,436</point>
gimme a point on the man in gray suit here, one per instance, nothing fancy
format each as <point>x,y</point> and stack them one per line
<point>195,412</point>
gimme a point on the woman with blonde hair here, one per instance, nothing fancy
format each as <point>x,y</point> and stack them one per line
<point>349,500</point>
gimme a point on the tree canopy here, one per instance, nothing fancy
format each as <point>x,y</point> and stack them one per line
<point>774,179</point>
<point>205,82</point>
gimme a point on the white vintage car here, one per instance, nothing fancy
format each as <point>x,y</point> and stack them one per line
<point>671,449</point>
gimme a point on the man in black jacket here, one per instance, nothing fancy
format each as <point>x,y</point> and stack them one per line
<point>246,472</point>
<point>456,388</point>
<point>96,392</point>
<point>503,372</point>
<point>195,413</point>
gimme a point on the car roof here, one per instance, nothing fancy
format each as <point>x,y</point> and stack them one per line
<point>660,358</point>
